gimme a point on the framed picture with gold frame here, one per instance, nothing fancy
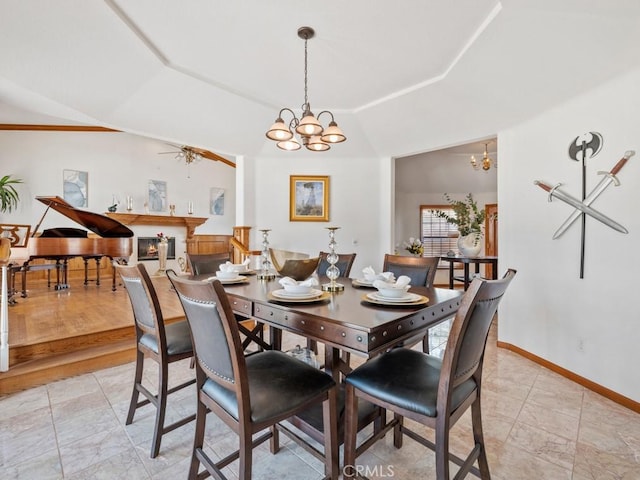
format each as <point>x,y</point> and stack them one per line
<point>308,198</point>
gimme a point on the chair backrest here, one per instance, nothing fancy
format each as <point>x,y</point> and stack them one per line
<point>144,302</point>
<point>214,332</point>
<point>201,263</point>
<point>344,263</point>
<point>468,335</point>
<point>17,234</point>
<point>421,270</point>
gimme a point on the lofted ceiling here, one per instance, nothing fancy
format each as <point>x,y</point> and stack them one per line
<point>401,77</point>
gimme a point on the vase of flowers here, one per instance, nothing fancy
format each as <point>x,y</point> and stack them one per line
<point>470,222</point>
<point>163,249</point>
<point>414,246</point>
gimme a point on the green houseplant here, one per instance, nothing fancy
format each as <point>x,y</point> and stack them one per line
<point>9,196</point>
<point>470,222</point>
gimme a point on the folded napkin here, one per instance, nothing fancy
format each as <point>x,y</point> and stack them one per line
<point>402,283</point>
<point>309,282</point>
<point>370,275</point>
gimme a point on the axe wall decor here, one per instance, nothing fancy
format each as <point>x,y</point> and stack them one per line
<point>583,208</point>
<point>590,142</point>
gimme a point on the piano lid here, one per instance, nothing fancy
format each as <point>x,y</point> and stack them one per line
<point>101,224</point>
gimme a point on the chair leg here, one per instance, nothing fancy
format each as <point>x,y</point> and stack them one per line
<point>478,437</point>
<point>442,449</point>
<point>245,455</point>
<point>350,431</point>
<point>330,421</point>
<point>397,430</point>
<point>136,381</point>
<point>161,408</point>
<point>425,342</point>
<point>198,439</point>
<point>274,441</point>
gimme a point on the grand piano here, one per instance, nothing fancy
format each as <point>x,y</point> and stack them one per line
<point>61,244</point>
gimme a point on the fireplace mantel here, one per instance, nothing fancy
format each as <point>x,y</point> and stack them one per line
<point>166,220</point>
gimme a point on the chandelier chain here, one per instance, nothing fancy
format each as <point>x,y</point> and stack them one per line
<point>306,101</point>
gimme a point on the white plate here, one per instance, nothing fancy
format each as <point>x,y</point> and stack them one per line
<point>409,297</point>
<point>361,282</point>
<point>282,293</point>
<point>238,279</point>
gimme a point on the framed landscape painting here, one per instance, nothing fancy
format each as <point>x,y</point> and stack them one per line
<point>309,198</point>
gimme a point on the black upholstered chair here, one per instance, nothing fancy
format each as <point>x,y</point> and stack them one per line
<point>421,270</point>
<point>162,343</point>
<point>201,263</point>
<point>344,263</point>
<point>428,390</point>
<point>249,393</point>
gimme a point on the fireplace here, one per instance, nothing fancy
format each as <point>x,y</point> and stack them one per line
<point>148,248</point>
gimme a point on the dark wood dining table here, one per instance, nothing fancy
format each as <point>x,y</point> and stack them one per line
<point>343,321</point>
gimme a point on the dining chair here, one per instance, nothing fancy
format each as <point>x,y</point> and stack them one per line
<point>344,264</point>
<point>163,343</point>
<point>202,263</point>
<point>428,390</point>
<point>249,393</point>
<point>421,270</point>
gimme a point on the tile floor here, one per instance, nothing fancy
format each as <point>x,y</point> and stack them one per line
<point>538,425</point>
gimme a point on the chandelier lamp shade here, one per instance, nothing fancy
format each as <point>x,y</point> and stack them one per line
<point>486,162</point>
<point>310,131</point>
<point>189,155</point>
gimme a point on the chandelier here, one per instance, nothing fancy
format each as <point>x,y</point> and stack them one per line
<point>485,163</point>
<point>312,134</point>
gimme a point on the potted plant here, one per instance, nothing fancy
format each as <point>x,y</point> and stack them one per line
<point>470,222</point>
<point>9,196</point>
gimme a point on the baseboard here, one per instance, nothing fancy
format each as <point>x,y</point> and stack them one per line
<point>594,387</point>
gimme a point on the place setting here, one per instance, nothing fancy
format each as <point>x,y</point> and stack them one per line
<point>229,273</point>
<point>394,293</point>
<point>294,291</point>
<point>369,276</point>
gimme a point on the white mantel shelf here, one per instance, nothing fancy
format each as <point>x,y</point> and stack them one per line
<point>190,223</point>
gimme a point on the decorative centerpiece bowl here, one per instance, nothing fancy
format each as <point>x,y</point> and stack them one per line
<point>287,265</point>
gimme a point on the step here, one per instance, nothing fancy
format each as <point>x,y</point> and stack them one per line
<point>43,370</point>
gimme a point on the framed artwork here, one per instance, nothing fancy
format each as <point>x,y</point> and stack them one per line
<point>309,198</point>
<point>216,204</point>
<point>75,185</point>
<point>157,196</point>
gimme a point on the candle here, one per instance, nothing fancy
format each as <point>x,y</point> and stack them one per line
<point>190,208</point>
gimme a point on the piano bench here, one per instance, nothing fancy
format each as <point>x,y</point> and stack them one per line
<point>28,268</point>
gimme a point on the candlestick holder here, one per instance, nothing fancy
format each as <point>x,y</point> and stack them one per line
<point>265,264</point>
<point>333,272</point>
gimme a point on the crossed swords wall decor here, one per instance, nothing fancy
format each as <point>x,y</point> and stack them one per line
<point>578,150</point>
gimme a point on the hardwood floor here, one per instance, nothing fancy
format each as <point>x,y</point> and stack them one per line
<point>57,334</point>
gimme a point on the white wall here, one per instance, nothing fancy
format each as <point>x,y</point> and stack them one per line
<point>358,204</point>
<point>590,326</point>
<point>118,164</point>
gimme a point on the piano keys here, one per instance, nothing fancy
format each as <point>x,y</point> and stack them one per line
<point>61,244</point>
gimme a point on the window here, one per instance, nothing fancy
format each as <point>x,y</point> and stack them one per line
<point>438,236</point>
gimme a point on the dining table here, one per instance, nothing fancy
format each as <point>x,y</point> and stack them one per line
<point>346,322</point>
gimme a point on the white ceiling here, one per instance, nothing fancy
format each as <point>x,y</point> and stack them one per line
<point>401,77</point>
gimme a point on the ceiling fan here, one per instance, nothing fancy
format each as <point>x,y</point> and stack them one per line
<point>184,152</point>
<point>192,154</point>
